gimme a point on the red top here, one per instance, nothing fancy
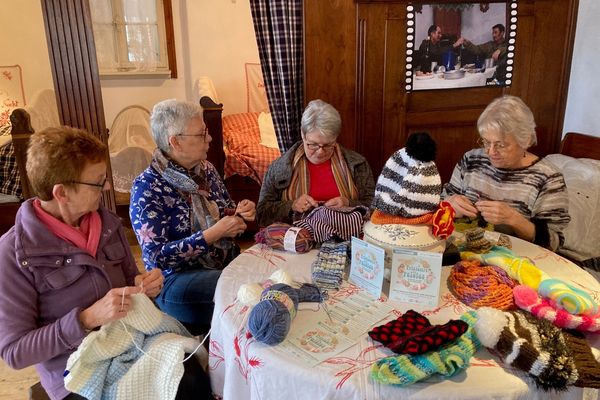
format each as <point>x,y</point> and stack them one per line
<point>322,183</point>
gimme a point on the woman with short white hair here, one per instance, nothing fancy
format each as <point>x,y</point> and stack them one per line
<point>315,171</point>
<point>505,184</point>
<point>183,216</point>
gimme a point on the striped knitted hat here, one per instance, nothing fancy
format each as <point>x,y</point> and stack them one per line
<point>553,358</point>
<point>409,185</point>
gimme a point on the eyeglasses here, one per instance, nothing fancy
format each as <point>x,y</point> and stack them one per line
<point>98,185</point>
<point>316,146</point>
<point>487,145</point>
<point>203,135</point>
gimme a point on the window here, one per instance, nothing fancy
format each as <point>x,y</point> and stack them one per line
<point>134,37</point>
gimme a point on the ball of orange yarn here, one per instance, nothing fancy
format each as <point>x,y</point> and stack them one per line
<point>479,285</point>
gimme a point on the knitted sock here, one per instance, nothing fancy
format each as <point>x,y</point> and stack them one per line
<point>566,296</point>
<point>527,299</point>
<point>430,338</point>
<point>555,359</point>
<point>448,361</point>
<point>405,325</point>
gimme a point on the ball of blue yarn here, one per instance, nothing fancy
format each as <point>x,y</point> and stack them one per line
<point>270,320</point>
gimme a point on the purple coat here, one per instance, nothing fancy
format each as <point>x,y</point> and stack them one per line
<point>45,284</point>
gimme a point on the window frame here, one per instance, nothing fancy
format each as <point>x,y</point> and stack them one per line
<point>166,36</point>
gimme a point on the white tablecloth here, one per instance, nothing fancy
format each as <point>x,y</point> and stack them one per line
<point>438,82</point>
<point>242,368</point>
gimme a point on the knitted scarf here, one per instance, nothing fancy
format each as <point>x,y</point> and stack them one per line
<point>86,237</point>
<point>300,183</point>
<point>194,187</point>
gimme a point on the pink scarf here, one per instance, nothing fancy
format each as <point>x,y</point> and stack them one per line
<point>86,237</point>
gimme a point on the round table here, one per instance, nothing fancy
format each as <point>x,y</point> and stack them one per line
<point>242,368</point>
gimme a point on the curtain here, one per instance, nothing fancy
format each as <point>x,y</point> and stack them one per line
<point>278,27</point>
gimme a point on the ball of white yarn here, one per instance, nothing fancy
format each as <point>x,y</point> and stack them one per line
<point>281,276</point>
<point>249,294</point>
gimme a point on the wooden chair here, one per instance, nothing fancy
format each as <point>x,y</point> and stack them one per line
<point>21,131</point>
<point>580,145</point>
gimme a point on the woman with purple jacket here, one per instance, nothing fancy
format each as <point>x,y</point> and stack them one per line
<point>66,265</point>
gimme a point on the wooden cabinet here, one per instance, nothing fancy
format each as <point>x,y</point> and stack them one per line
<point>355,60</point>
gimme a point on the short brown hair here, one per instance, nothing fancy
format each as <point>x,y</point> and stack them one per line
<point>59,155</point>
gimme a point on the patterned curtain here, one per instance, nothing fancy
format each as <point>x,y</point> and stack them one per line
<point>278,27</point>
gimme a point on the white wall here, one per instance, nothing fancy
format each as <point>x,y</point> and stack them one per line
<point>213,38</point>
<point>23,42</point>
<point>476,26</point>
<point>583,101</point>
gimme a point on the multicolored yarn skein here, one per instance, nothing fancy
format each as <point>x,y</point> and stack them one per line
<point>527,299</point>
<point>522,269</point>
<point>479,286</point>
<point>270,319</point>
<point>274,237</point>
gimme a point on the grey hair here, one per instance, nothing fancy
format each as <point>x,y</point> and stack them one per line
<point>509,115</point>
<point>170,118</point>
<point>321,116</point>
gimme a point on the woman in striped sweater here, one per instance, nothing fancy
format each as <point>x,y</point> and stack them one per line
<point>503,183</point>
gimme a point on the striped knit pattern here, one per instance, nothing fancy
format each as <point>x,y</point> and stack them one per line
<point>538,191</point>
<point>407,187</point>
<point>448,361</point>
<point>325,223</point>
<point>527,299</point>
<point>552,358</point>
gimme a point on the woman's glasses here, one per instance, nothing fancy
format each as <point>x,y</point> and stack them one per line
<point>487,145</point>
<point>97,185</point>
<point>316,146</point>
<point>202,135</point>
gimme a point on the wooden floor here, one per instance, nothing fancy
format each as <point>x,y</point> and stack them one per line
<point>14,385</point>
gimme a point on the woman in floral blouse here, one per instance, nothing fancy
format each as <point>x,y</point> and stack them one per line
<point>182,215</point>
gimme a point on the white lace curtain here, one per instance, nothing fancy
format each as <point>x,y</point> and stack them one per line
<point>126,34</point>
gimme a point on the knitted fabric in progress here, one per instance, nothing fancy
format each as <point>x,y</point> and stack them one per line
<point>107,363</point>
<point>554,359</point>
<point>451,359</point>
<point>479,286</point>
<point>328,267</point>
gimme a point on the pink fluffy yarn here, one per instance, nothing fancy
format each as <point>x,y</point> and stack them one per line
<point>527,299</point>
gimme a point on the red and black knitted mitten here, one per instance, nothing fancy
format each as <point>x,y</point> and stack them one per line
<point>429,338</point>
<point>405,325</point>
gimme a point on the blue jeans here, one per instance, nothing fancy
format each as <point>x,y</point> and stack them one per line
<point>188,297</point>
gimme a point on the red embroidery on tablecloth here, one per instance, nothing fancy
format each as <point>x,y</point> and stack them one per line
<point>448,301</point>
<point>216,355</point>
<point>245,363</point>
<point>266,253</point>
<point>354,365</point>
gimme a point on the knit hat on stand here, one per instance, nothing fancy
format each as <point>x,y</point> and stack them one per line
<point>554,359</point>
<point>409,185</point>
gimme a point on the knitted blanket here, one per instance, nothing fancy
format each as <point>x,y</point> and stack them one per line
<point>107,364</point>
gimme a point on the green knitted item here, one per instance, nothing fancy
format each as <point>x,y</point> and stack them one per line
<point>449,360</point>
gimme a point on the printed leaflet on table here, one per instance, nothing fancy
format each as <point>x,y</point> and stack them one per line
<point>416,277</point>
<point>314,337</point>
<point>367,266</point>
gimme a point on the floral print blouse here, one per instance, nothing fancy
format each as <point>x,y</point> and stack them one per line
<point>160,216</point>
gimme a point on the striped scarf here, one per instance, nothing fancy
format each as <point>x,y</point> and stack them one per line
<point>300,183</point>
